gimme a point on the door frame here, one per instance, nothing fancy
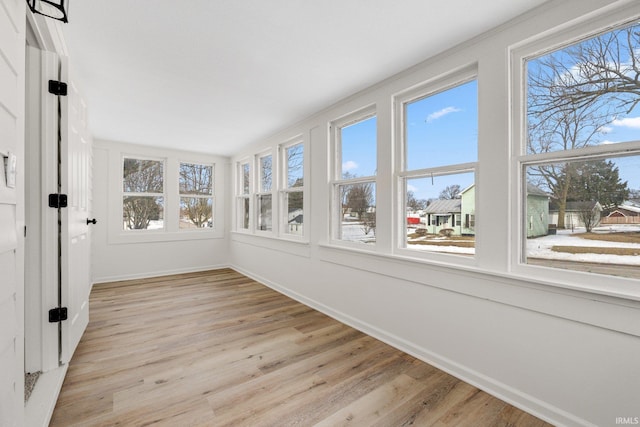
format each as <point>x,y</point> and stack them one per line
<point>41,231</point>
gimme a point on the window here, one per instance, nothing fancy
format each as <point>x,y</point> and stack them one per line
<point>242,200</point>
<point>354,184</point>
<point>292,193</point>
<point>580,156</point>
<point>264,195</point>
<point>437,176</point>
<point>196,196</point>
<point>143,194</point>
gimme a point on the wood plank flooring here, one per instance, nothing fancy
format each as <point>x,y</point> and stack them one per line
<point>219,349</point>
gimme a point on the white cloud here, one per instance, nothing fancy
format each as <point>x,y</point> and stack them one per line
<point>412,188</point>
<point>607,142</point>
<point>349,165</point>
<point>605,129</point>
<point>628,122</point>
<point>436,115</point>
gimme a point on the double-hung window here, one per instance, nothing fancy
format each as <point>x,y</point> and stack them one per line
<point>579,153</point>
<point>354,180</point>
<point>292,188</point>
<point>439,153</point>
<point>143,197</point>
<point>243,204</point>
<point>264,196</point>
<point>196,196</point>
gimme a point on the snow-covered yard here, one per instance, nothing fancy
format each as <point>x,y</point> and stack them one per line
<point>540,247</point>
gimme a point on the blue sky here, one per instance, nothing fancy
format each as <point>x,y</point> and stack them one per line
<point>442,129</point>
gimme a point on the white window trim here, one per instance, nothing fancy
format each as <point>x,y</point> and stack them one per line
<point>432,87</point>
<point>115,232</point>
<point>212,196</point>
<point>259,193</point>
<point>163,161</point>
<point>336,180</point>
<point>284,190</point>
<point>601,284</point>
<point>241,196</point>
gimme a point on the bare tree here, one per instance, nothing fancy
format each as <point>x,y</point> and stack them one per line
<point>415,204</point>
<point>588,214</point>
<point>141,177</point>
<point>572,94</point>
<point>602,69</point>
<point>359,198</point>
<point>196,181</point>
<point>450,192</point>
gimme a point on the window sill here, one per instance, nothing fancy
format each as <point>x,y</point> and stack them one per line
<point>146,236</point>
<point>610,310</point>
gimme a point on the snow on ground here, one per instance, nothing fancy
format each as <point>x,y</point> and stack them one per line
<point>540,247</point>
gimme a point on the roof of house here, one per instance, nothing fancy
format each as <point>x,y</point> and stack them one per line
<point>628,208</point>
<point>444,206</point>
<point>578,206</point>
<point>532,190</point>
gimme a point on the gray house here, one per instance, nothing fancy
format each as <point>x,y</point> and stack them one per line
<point>442,214</point>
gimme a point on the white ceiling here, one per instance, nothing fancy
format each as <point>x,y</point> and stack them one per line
<point>215,75</point>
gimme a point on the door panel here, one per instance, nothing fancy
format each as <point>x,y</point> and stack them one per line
<point>75,237</point>
<point>66,257</point>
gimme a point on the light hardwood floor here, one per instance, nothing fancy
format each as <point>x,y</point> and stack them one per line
<point>219,349</point>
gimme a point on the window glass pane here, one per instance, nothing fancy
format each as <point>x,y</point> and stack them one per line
<point>585,94</point>
<point>243,213</point>
<point>142,176</point>
<point>585,215</point>
<point>358,213</point>
<point>358,145</point>
<point>245,178</point>
<point>440,213</point>
<point>196,212</point>
<point>442,129</point>
<point>294,202</point>
<point>143,212</point>
<point>265,174</point>
<point>295,166</point>
<point>264,212</point>
<point>196,179</point>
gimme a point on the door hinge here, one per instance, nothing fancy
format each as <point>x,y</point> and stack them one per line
<point>57,88</point>
<point>57,200</point>
<point>57,314</point>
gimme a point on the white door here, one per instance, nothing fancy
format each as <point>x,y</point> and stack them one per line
<point>75,238</point>
<point>72,178</point>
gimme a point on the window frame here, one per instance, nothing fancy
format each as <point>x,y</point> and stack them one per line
<point>114,152</point>
<point>243,197</point>
<point>535,47</point>
<point>123,194</point>
<point>259,193</point>
<point>336,181</point>
<point>284,190</point>
<point>402,175</point>
<point>211,196</point>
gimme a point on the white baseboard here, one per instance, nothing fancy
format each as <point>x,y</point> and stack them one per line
<point>39,408</point>
<point>517,398</point>
<point>156,273</point>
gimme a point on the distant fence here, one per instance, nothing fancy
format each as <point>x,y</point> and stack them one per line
<point>620,220</point>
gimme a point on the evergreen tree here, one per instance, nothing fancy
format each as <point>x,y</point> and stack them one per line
<point>598,181</point>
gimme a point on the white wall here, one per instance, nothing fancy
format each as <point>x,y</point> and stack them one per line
<point>118,255</point>
<point>569,356</point>
<point>12,67</point>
